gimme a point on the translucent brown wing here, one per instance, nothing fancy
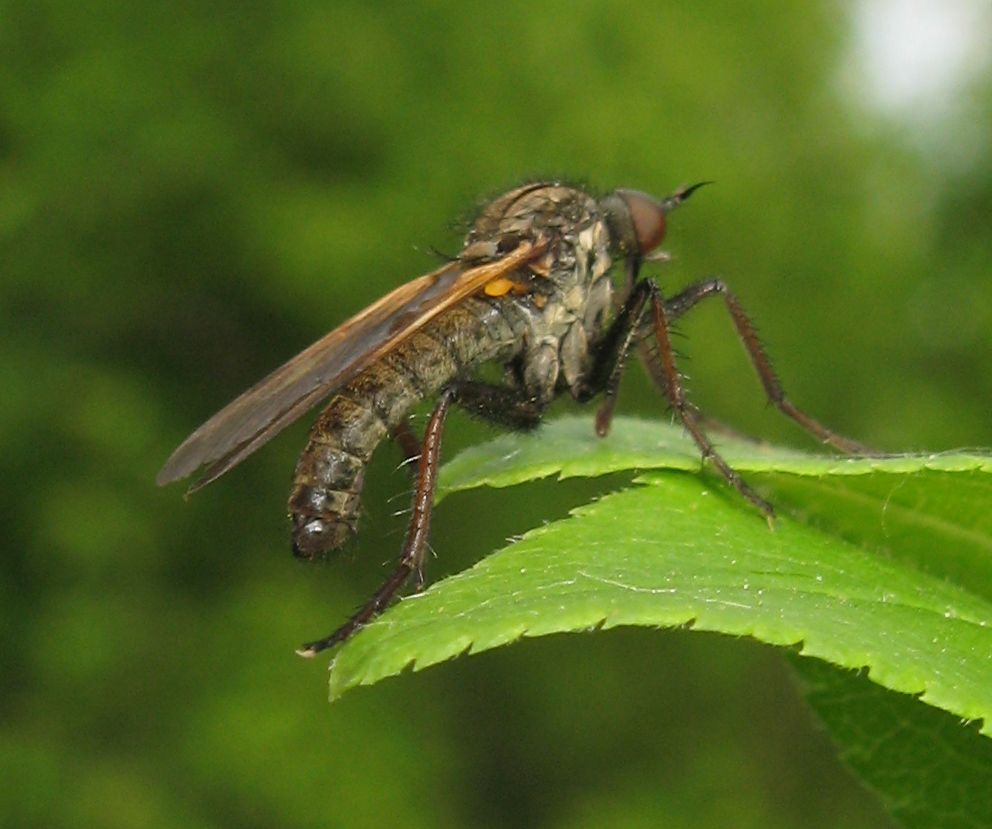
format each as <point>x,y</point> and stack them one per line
<point>271,405</point>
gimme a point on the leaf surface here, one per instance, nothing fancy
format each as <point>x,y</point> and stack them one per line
<point>886,569</point>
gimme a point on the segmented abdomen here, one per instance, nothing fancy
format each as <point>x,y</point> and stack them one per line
<point>327,485</point>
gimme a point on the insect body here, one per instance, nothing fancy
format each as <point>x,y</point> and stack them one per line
<point>531,291</point>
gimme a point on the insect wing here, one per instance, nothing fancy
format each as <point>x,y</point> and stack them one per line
<point>275,402</point>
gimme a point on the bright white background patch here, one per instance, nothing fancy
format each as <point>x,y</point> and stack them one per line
<point>915,57</point>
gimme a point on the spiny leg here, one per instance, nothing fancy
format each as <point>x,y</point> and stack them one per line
<point>631,325</point>
<point>647,351</point>
<point>644,310</point>
<point>678,305</point>
<point>617,347</point>
<point>611,356</point>
<point>689,414</point>
<point>410,446</point>
<point>415,543</point>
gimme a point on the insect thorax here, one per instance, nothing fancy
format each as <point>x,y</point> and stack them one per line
<point>566,295</point>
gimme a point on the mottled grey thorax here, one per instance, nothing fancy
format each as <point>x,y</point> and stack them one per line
<point>564,315</point>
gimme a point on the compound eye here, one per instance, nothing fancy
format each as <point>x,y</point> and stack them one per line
<point>647,215</point>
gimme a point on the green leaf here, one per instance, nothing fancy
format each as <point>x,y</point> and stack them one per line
<point>929,770</point>
<point>906,505</point>
<point>847,584</point>
<point>569,448</point>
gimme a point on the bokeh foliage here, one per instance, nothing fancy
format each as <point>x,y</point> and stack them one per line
<point>190,193</point>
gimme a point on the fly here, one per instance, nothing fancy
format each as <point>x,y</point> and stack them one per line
<point>531,291</point>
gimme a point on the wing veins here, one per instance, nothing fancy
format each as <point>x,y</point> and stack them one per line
<point>254,417</point>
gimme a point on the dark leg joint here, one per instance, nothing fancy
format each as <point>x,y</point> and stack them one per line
<point>506,406</point>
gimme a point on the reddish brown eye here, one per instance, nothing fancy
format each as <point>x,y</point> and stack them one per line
<point>647,215</point>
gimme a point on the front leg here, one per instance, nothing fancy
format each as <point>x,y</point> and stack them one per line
<point>610,358</point>
<point>645,309</point>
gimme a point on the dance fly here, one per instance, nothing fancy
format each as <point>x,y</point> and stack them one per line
<point>530,291</point>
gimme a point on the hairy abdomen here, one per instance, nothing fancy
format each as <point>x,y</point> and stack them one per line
<point>325,501</point>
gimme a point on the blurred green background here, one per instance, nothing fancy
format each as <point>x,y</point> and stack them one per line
<point>190,193</point>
